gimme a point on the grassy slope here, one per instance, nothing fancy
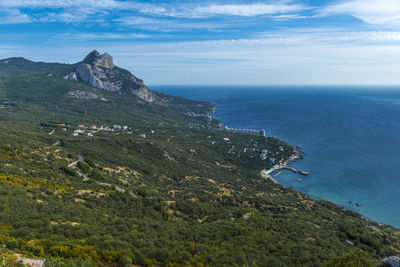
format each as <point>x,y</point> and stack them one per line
<point>186,196</point>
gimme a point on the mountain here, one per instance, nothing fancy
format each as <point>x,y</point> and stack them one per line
<point>99,71</point>
<point>93,78</point>
<point>92,173</point>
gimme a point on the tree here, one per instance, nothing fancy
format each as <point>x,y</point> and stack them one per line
<point>354,258</point>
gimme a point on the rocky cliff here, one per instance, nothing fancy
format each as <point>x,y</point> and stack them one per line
<point>99,71</point>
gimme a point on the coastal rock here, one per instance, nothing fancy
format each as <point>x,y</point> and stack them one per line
<point>99,71</point>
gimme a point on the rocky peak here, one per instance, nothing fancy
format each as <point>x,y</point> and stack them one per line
<point>96,59</point>
<point>99,71</point>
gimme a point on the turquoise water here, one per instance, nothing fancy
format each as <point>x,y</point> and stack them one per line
<point>351,137</point>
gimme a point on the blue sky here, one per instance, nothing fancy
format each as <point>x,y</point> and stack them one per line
<point>283,42</point>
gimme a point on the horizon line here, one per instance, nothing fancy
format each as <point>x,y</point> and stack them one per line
<point>277,85</point>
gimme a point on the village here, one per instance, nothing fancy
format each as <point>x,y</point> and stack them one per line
<point>90,131</point>
<point>264,154</point>
<point>192,114</point>
<point>253,146</point>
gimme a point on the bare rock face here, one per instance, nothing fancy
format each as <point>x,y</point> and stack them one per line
<point>97,77</point>
<point>71,77</point>
<point>144,93</point>
<point>103,61</point>
<point>99,71</point>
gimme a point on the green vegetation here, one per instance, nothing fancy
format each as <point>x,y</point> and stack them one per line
<point>185,201</point>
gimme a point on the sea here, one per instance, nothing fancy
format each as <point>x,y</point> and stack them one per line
<point>350,136</point>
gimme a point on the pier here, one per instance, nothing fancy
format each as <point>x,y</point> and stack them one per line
<point>280,167</point>
<point>296,170</point>
<point>269,173</point>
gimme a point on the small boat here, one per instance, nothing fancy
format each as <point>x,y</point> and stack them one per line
<point>299,180</point>
<point>358,204</point>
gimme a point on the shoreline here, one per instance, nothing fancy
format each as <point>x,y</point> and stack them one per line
<point>267,174</point>
<point>299,154</point>
<point>271,175</point>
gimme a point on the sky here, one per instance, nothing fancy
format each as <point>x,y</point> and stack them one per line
<point>237,42</point>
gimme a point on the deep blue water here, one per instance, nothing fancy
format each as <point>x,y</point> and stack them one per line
<point>351,137</point>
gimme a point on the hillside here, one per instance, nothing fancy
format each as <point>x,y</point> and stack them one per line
<point>98,170</point>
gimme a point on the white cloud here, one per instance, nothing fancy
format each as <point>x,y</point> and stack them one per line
<point>204,11</point>
<point>78,10</point>
<point>168,25</point>
<point>95,5</point>
<point>384,12</point>
<point>287,57</point>
<point>289,16</point>
<point>66,17</point>
<point>70,11</point>
<point>103,36</point>
<point>262,62</point>
<point>59,3</point>
<point>248,9</point>
<point>331,37</point>
<point>13,16</point>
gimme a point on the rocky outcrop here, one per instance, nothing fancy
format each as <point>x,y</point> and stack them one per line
<point>99,71</point>
<point>98,77</point>
<point>71,77</point>
<point>78,94</point>
<point>392,261</point>
<point>144,93</point>
<point>104,61</point>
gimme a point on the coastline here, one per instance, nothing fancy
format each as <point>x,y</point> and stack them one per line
<point>299,154</point>
<point>225,113</point>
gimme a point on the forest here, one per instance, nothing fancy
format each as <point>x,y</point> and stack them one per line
<point>166,190</point>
